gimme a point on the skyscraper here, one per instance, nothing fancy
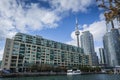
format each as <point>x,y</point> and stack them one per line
<point>111,41</point>
<point>106,42</point>
<point>119,30</point>
<point>102,56</point>
<point>87,44</point>
<point>77,33</point>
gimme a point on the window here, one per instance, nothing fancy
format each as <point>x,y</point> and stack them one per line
<point>6,63</point>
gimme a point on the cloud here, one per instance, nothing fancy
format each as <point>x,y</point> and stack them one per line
<point>14,18</point>
<point>1,53</point>
<point>20,16</point>
<point>74,6</point>
<point>101,16</point>
<point>98,29</point>
<point>72,42</point>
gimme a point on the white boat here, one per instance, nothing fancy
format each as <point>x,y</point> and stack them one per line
<point>73,72</point>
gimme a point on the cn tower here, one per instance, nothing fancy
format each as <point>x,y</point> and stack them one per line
<point>77,33</point>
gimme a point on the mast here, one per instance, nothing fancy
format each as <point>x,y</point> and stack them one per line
<point>77,33</point>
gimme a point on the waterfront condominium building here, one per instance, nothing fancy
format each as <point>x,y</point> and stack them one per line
<point>24,50</point>
<point>87,44</point>
<point>111,41</point>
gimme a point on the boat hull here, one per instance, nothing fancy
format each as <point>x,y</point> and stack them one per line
<point>73,73</point>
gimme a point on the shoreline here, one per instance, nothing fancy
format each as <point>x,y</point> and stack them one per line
<point>28,74</point>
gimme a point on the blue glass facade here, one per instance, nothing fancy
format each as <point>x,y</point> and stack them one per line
<point>111,42</point>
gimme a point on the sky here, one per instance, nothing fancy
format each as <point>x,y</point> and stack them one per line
<point>52,19</point>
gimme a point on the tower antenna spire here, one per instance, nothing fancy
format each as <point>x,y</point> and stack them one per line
<point>76,24</point>
<point>77,33</point>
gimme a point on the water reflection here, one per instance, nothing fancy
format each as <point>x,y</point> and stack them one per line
<point>70,77</point>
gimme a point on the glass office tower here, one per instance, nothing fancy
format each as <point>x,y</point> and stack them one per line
<point>87,43</point>
<point>111,42</point>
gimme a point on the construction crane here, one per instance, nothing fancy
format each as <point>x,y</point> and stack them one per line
<point>112,10</point>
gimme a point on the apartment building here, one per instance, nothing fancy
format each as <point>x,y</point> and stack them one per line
<point>25,50</point>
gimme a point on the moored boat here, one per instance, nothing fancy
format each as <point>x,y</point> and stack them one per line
<point>73,72</point>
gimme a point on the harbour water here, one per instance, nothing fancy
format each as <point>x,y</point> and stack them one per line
<point>69,77</point>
